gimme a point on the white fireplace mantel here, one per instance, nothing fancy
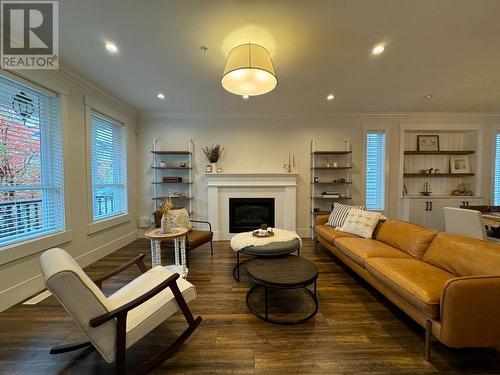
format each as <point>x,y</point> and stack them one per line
<point>278,185</point>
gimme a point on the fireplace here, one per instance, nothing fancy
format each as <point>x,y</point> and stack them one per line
<point>246,214</point>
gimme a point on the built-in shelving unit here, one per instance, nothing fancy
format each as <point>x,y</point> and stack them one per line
<point>167,163</point>
<point>455,141</point>
<point>330,172</point>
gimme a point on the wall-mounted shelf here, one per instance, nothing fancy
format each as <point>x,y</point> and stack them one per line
<point>332,183</point>
<point>321,212</point>
<point>160,152</point>
<point>331,167</point>
<point>172,159</point>
<point>155,167</point>
<point>457,152</point>
<point>171,183</point>
<point>425,175</point>
<point>331,152</point>
<point>331,198</point>
<point>178,198</point>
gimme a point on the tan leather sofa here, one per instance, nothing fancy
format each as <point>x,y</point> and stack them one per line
<point>448,284</point>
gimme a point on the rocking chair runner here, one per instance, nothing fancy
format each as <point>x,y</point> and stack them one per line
<point>115,323</point>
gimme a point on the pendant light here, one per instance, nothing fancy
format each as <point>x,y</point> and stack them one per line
<point>249,71</point>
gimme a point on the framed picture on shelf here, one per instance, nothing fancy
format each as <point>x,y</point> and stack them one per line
<point>428,142</point>
<point>459,164</point>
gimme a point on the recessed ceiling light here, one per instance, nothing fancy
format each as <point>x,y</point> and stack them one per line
<point>111,47</point>
<point>245,97</point>
<point>377,50</point>
<point>427,97</point>
<point>330,97</point>
<point>160,96</point>
<point>203,48</point>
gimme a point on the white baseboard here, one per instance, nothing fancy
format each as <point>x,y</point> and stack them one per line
<point>17,293</point>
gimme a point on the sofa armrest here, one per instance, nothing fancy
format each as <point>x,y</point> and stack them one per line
<point>469,312</point>
<point>321,219</point>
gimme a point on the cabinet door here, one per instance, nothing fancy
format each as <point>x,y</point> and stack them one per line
<point>436,214</point>
<point>418,212</point>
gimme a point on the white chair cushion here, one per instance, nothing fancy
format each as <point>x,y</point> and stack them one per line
<point>147,316</point>
<point>81,298</point>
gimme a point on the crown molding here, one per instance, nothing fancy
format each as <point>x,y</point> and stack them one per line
<point>403,116</point>
<point>67,72</point>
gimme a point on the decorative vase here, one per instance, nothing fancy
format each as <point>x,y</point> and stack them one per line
<point>214,167</point>
<point>165,224</point>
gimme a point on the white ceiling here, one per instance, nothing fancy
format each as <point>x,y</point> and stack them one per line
<point>447,48</point>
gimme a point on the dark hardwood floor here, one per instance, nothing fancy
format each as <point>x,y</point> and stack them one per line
<point>356,330</point>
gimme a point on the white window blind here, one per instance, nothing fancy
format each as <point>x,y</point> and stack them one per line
<point>31,176</point>
<point>496,182</point>
<point>375,170</point>
<point>109,167</point>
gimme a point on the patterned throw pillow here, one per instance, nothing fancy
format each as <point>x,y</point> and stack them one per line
<point>361,223</point>
<point>339,214</point>
<point>179,218</point>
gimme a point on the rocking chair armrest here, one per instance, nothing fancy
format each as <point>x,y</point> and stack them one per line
<point>203,222</point>
<point>139,260</point>
<point>124,309</point>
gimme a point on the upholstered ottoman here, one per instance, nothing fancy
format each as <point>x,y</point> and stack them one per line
<point>282,243</point>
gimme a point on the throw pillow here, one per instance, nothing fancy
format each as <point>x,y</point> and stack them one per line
<point>179,218</point>
<point>361,223</point>
<point>339,214</point>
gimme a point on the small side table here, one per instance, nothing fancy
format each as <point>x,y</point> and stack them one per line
<point>178,235</point>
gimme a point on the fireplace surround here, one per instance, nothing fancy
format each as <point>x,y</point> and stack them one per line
<point>280,186</point>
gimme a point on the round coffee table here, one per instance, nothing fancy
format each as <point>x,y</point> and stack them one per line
<point>289,272</point>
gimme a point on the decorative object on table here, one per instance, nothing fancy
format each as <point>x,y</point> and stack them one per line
<point>316,179</point>
<point>427,190</point>
<point>219,170</point>
<point>405,190</point>
<point>428,142</point>
<point>462,190</point>
<point>437,171</point>
<point>335,165</point>
<point>183,164</point>
<point>459,164</point>
<point>163,164</point>
<point>330,194</point>
<point>165,221</point>
<point>208,169</point>
<point>213,154</point>
<point>328,163</point>
<point>290,167</point>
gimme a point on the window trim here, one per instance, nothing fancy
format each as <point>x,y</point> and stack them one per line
<point>495,129</point>
<point>94,105</point>
<point>18,250</point>
<point>385,128</point>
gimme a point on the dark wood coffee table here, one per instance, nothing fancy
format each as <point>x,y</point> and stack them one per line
<point>289,272</point>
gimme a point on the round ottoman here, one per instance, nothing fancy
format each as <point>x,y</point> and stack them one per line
<point>273,249</point>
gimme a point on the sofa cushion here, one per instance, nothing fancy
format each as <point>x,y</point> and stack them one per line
<point>464,256</point>
<point>360,249</point>
<point>339,214</point>
<point>418,283</point>
<point>410,238</point>
<point>361,223</point>
<point>329,234</point>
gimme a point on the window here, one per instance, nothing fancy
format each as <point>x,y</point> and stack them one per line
<point>31,178</point>
<point>496,181</point>
<point>109,167</point>
<point>375,170</point>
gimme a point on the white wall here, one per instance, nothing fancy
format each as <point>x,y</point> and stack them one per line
<point>20,278</point>
<point>262,143</point>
